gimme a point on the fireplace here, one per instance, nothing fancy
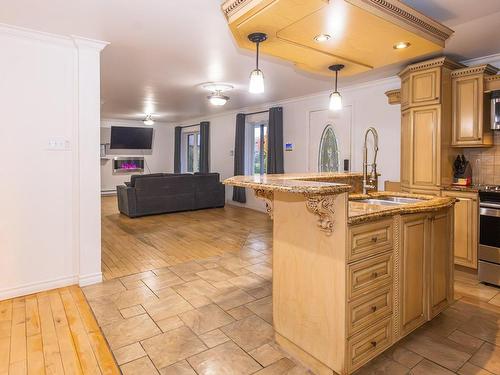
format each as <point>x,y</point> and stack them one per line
<point>128,164</point>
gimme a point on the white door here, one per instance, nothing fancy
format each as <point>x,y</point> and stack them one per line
<point>341,124</point>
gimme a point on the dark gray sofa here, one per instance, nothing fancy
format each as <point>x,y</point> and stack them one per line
<point>160,193</point>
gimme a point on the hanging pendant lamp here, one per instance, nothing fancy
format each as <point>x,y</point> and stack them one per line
<point>335,97</point>
<point>257,77</point>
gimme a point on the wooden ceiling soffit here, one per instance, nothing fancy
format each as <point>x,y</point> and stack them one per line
<point>363,32</point>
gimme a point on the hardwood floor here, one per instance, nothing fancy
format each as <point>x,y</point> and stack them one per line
<point>52,332</point>
<point>135,245</point>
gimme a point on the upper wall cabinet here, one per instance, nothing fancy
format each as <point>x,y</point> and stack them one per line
<point>470,107</point>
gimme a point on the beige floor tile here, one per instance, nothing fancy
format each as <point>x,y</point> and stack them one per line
<point>438,349</point>
<point>240,312</point>
<point>141,366</point>
<point>263,270</point>
<point>129,331</point>
<point>263,308</point>
<point>232,263</point>
<point>248,281</point>
<point>187,268</point>
<point>132,311</point>
<point>105,313</point>
<point>469,343</point>
<point>216,274</point>
<point>134,297</point>
<point>479,291</point>
<point>133,281</point>
<point>249,333</point>
<point>214,338</point>
<point>173,346</point>
<point>484,329</point>
<point>170,323</point>
<point>165,280</point>
<point>383,366</point>
<point>179,368</point>
<point>129,353</point>
<point>196,291</point>
<point>266,354</point>
<point>283,366</point>
<point>403,356</point>
<point>228,299</point>
<point>426,367</point>
<point>470,369</point>
<point>225,359</point>
<point>167,307</point>
<point>264,291</point>
<point>495,300</point>
<point>488,357</point>
<point>206,318</point>
<point>103,289</point>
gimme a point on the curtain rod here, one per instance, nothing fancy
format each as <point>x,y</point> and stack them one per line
<point>188,126</point>
<point>256,113</point>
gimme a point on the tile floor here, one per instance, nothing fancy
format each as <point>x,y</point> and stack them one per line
<point>214,316</point>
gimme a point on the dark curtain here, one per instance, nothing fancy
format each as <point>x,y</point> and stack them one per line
<point>204,146</point>
<point>239,157</point>
<point>275,141</point>
<point>177,149</point>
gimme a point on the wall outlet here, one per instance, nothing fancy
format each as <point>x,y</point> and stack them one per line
<point>58,144</point>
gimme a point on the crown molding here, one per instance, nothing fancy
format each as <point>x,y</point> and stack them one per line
<point>82,42</point>
<point>442,61</point>
<point>21,32</point>
<point>477,69</point>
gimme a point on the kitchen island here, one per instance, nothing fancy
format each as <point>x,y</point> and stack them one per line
<point>352,275</point>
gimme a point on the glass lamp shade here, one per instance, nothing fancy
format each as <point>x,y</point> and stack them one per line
<point>217,100</point>
<point>256,82</point>
<point>335,101</point>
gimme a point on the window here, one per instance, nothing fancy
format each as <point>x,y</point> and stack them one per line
<point>259,149</point>
<point>192,152</point>
<point>328,160</point>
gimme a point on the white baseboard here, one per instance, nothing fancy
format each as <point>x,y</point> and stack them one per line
<point>93,278</point>
<point>31,288</point>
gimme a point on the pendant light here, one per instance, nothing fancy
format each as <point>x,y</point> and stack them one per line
<point>148,120</point>
<point>257,77</point>
<point>335,97</point>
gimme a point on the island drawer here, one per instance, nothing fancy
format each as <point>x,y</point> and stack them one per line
<point>368,275</point>
<point>370,239</point>
<point>368,344</point>
<point>368,310</point>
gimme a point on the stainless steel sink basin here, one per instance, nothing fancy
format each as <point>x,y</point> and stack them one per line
<point>390,201</point>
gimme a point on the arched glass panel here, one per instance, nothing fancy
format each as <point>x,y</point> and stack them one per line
<point>328,160</point>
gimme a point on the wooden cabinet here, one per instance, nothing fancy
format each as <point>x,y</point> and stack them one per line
<point>465,223</point>
<point>426,154</point>
<point>414,239</point>
<point>470,107</point>
<point>440,263</point>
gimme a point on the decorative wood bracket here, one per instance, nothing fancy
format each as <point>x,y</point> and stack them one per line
<point>394,96</point>
<point>267,196</point>
<point>324,207</point>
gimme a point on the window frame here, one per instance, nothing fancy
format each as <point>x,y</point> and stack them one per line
<point>185,150</point>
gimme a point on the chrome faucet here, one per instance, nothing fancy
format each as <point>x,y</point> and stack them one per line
<point>370,183</point>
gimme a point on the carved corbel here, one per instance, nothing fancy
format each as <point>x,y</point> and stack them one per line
<point>324,207</point>
<point>268,197</point>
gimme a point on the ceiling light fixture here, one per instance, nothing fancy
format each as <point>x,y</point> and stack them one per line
<point>257,77</point>
<point>322,38</point>
<point>217,98</point>
<point>335,97</point>
<point>401,45</point>
<point>148,120</point>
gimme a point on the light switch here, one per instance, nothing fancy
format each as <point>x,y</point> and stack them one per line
<point>58,144</point>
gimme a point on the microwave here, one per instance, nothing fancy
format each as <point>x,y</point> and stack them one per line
<point>495,110</point>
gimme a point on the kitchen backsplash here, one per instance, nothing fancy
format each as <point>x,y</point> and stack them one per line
<point>485,163</point>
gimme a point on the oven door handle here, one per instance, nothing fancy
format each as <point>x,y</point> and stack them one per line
<point>489,212</point>
<point>489,205</point>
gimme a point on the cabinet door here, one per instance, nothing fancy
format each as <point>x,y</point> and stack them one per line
<point>412,278</point>
<point>465,227</point>
<point>425,130</point>
<point>405,148</point>
<point>467,94</point>
<point>425,87</point>
<point>441,293</point>
<point>405,92</point>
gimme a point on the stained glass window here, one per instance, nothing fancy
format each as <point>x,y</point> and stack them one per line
<point>328,160</point>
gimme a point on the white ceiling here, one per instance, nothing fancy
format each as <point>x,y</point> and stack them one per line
<point>162,50</point>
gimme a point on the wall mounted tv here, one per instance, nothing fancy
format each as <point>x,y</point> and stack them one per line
<point>127,137</point>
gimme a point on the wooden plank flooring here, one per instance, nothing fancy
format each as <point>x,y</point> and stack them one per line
<point>52,332</point>
<point>131,246</point>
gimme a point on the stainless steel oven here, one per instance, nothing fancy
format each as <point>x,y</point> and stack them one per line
<point>489,237</point>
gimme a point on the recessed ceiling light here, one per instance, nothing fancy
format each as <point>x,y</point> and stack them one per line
<point>401,45</point>
<point>217,98</point>
<point>322,38</point>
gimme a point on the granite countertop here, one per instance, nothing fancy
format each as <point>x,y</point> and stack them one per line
<point>360,212</point>
<point>469,189</point>
<point>299,183</point>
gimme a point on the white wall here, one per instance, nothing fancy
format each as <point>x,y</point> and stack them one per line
<point>370,108</point>
<point>49,227</point>
<point>159,159</point>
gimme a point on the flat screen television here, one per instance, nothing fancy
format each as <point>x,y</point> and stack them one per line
<point>127,137</point>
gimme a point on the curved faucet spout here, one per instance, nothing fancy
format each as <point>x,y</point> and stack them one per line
<point>372,185</point>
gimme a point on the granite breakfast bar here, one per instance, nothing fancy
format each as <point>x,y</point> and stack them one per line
<point>352,275</point>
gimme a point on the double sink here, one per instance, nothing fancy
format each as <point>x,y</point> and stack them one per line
<point>390,201</point>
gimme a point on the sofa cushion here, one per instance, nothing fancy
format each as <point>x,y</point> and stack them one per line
<point>134,177</point>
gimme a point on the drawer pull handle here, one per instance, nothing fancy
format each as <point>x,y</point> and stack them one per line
<point>374,343</point>
<point>374,239</point>
<point>374,308</point>
<point>374,275</point>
